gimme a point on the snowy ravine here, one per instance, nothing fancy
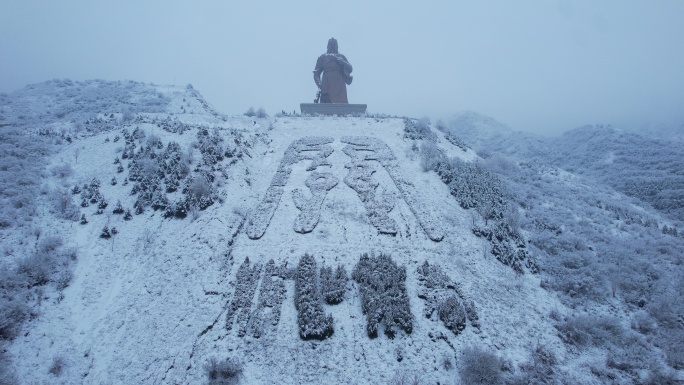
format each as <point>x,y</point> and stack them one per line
<point>149,305</point>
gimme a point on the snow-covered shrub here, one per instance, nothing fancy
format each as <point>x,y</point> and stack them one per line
<point>418,129</point>
<point>62,171</point>
<point>57,366</point>
<point>271,295</point>
<point>446,362</point>
<point>48,263</point>
<point>383,294</point>
<point>312,321</point>
<point>210,146</point>
<point>22,159</point>
<point>250,112</point>
<point>13,313</point>
<point>539,370</point>
<point>118,208</point>
<point>105,233</point>
<point>200,193</point>
<point>667,312</point>
<point>479,367</point>
<point>64,206</point>
<point>430,156</point>
<point>473,186</point>
<point>402,377</point>
<point>223,372</point>
<point>444,297</point>
<point>508,246</point>
<point>453,314</point>
<point>333,284</point>
<point>578,275</point>
<point>63,279</point>
<point>35,268</point>
<point>586,330</point>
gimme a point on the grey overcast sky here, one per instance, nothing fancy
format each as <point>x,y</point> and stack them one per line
<point>536,65</point>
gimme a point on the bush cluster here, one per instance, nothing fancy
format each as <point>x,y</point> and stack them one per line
<point>223,372</point>
<point>383,294</point>
<point>587,330</point>
<point>452,314</point>
<point>478,366</point>
<point>50,263</point>
<point>446,298</point>
<point>22,160</point>
<point>64,207</point>
<point>430,156</point>
<point>508,246</point>
<point>313,323</point>
<point>333,284</point>
<point>157,171</point>
<point>241,304</point>
<point>418,129</point>
<point>474,187</point>
<point>271,295</point>
<point>539,370</point>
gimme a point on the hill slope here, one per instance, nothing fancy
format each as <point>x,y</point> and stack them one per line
<point>187,278</point>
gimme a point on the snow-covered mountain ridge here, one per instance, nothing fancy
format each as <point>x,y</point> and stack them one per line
<point>155,302</point>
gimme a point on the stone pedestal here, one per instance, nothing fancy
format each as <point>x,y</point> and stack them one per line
<point>332,109</point>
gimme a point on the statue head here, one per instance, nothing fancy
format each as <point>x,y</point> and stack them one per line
<point>332,45</point>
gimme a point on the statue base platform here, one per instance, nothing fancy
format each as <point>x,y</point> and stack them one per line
<point>332,109</point>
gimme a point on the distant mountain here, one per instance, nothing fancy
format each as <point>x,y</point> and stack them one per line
<point>646,167</point>
<point>643,167</point>
<point>672,132</point>
<point>147,238</point>
<point>485,135</point>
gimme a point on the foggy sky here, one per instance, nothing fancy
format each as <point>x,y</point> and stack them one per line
<point>536,65</point>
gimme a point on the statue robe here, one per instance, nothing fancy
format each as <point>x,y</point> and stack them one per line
<point>334,82</point>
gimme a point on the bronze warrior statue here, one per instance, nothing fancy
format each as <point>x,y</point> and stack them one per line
<point>336,72</point>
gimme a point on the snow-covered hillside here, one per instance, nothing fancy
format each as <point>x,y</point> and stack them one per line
<point>171,243</point>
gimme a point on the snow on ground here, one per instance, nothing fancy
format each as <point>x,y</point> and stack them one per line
<point>149,305</point>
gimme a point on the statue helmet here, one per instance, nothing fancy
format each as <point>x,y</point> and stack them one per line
<point>332,45</point>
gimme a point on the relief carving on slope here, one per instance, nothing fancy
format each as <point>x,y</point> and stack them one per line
<point>364,149</point>
<point>365,153</point>
<point>315,149</point>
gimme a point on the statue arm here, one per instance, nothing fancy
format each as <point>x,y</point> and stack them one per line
<point>317,72</point>
<point>317,77</point>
